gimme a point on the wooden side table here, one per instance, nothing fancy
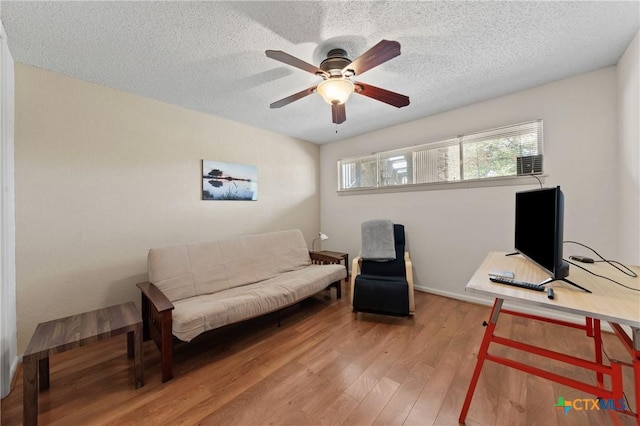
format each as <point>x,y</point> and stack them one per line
<point>63,334</point>
<point>335,257</point>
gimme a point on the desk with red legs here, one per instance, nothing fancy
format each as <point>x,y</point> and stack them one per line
<point>608,302</point>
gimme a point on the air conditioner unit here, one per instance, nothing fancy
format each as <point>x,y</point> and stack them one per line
<point>529,165</point>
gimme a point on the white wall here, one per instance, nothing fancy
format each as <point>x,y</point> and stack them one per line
<point>628,77</point>
<point>450,231</point>
<point>8,348</point>
<point>103,175</point>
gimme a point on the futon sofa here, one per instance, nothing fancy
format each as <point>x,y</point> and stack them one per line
<point>194,288</point>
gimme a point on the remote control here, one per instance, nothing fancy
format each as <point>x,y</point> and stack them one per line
<point>503,274</point>
<point>516,283</point>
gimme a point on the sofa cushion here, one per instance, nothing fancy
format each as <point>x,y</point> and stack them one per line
<point>198,314</point>
<point>290,250</point>
<point>170,270</point>
<point>305,282</point>
<point>190,270</point>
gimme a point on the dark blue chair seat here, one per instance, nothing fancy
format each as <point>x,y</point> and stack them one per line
<point>381,295</point>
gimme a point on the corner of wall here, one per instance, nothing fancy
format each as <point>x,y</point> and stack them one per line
<point>8,324</point>
<point>628,92</point>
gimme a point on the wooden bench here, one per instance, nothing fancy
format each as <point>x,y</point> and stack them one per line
<point>63,334</point>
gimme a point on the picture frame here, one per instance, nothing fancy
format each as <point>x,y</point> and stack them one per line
<point>223,181</point>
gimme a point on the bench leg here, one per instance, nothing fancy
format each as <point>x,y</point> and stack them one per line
<point>131,349</point>
<point>43,366</point>
<point>138,364</point>
<point>134,349</point>
<point>30,391</point>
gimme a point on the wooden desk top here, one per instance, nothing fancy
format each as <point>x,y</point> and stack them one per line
<point>608,302</point>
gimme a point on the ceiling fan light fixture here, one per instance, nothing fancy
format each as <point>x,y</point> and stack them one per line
<point>335,90</point>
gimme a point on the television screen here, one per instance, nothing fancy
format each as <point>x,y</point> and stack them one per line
<point>538,236</point>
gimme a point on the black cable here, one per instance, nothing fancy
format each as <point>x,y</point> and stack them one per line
<point>601,276</point>
<point>539,181</point>
<point>628,272</point>
<point>613,263</point>
<point>632,274</point>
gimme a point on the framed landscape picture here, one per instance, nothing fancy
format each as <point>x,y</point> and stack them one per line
<point>229,181</point>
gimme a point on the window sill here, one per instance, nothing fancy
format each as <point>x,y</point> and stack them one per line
<point>435,186</point>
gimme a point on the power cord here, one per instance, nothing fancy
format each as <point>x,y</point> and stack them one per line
<point>613,263</point>
<point>539,181</point>
<point>625,270</point>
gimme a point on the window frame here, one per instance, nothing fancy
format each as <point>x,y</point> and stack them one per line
<point>427,171</point>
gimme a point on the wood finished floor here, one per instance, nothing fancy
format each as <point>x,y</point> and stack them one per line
<point>322,366</point>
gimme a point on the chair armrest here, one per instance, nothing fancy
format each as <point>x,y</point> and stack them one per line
<point>355,271</point>
<point>157,324</point>
<point>408,266</point>
<point>155,296</point>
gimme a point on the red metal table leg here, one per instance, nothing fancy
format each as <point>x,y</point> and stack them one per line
<point>636,370</point>
<point>482,353</point>
<point>633,347</point>
<point>597,336</point>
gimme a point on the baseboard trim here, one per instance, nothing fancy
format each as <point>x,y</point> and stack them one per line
<point>487,301</point>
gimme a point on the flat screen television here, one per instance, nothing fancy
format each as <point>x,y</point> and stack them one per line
<point>539,231</point>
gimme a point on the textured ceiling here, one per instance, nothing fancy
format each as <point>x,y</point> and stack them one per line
<point>209,56</point>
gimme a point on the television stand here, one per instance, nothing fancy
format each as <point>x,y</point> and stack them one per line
<point>548,280</point>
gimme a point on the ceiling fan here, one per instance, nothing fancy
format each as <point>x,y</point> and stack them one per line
<point>336,72</point>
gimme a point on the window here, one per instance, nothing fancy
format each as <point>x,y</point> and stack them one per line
<point>360,172</point>
<point>396,167</point>
<point>437,162</point>
<point>498,153</point>
<point>495,153</point>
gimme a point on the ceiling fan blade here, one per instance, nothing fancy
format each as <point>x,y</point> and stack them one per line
<point>338,113</point>
<point>382,95</point>
<point>378,54</point>
<point>292,98</point>
<point>281,56</point>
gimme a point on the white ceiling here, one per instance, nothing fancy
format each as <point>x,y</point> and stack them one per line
<point>209,56</point>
